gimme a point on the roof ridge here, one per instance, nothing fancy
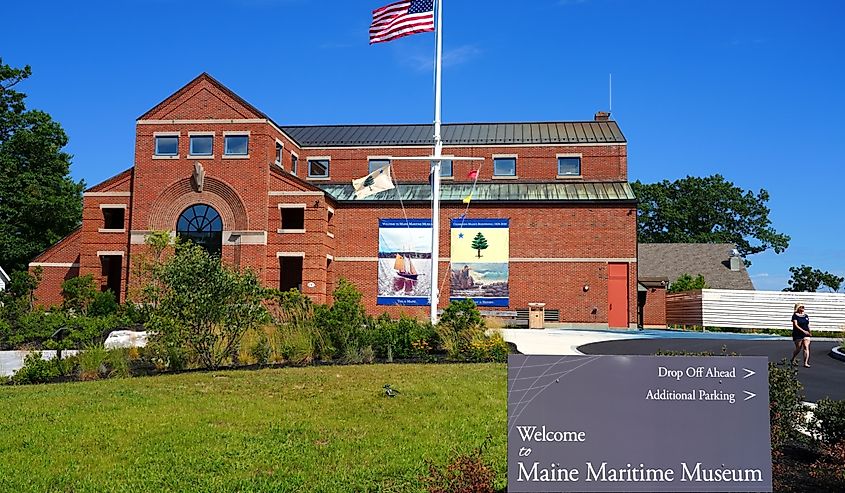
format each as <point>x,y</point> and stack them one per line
<point>526,122</point>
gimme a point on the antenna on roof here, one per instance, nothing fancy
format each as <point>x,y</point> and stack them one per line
<point>610,93</point>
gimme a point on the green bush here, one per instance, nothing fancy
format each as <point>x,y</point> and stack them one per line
<point>786,410</point>
<point>402,338</point>
<point>37,370</point>
<point>205,307</point>
<point>344,322</point>
<point>261,350</point>
<point>78,293</point>
<point>828,422</point>
<point>488,348</point>
<point>687,283</point>
<point>460,324</point>
<point>103,304</point>
<point>298,338</point>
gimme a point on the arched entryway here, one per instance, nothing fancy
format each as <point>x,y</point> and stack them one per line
<point>201,224</point>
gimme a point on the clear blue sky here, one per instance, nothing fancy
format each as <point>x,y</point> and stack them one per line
<point>749,89</point>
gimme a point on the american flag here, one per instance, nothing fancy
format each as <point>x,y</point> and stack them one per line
<point>402,19</point>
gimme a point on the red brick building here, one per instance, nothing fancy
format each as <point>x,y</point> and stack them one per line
<point>278,199</point>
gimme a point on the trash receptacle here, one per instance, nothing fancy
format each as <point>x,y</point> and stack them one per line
<point>536,315</point>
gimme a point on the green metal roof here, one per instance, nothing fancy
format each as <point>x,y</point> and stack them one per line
<point>494,192</point>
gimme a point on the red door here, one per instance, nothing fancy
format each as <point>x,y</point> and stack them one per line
<point>617,295</point>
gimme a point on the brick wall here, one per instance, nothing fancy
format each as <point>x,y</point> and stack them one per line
<point>654,310</point>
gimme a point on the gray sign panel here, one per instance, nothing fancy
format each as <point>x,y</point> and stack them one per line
<point>638,423</point>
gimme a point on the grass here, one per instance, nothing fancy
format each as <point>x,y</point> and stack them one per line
<point>293,429</point>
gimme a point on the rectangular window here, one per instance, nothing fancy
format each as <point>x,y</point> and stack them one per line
<point>236,145</point>
<point>202,145</point>
<point>446,168</point>
<point>504,166</point>
<point>569,166</point>
<point>279,149</point>
<point>167,145</point>
<point>294,164</point>
<point>377,163</point>
<point>318,168</point>
<point>293,218</point>
<point>113,218</point>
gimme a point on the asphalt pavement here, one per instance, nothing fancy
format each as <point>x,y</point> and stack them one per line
<point>824,378</point>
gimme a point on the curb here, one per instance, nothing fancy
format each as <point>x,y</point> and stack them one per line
<point>838,353</point>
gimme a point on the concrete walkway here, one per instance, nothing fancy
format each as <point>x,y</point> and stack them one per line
<point>12,361</point>
<point>561,341</point>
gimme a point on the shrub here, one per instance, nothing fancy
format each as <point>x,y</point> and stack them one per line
<point>297,337</point>
<point>786,411</point>
<point>78,293</point>
<point>828,422</point>
<point>204,306</point>
<point>460,324</point>
<point>465,473</point>
<point>37,370</point>
<point>829,469</point>
<point>687,283</point>
<point>103,304</point>
<point>488,348</point>
<point>260,351</point>
<point>345,321</point>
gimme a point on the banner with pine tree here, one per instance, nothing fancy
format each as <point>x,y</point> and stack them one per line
<point>480,256</point>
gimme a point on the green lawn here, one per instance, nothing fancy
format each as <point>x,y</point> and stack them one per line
<point>292,429</point>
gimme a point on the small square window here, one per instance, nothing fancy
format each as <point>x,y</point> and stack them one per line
<point>569,166</point>
<point>202,145</point>
<point>318,168</point>
<point>113,218</point>
<point>378,163</point>
<point>167,145</point>
<point>236,145</point>
<point>446,167</point>
<point>279,149</point>
<point>504,166</point>
<point>293,218</point>
<point>294,164</point>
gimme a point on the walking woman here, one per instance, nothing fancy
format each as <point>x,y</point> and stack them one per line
<point>801,334</point>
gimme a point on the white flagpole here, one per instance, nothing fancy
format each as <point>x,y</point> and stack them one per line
<point>435,167</point>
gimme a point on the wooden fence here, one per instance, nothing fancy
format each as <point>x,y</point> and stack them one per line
<point>754,309</point>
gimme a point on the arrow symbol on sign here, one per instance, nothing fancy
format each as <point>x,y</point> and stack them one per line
<point>751,395</point>
<point>748,373</point>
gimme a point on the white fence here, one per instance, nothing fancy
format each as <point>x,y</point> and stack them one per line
<point>754,309</point>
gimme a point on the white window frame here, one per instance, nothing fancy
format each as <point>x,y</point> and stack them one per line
<point>191,155</point>
<point>291,206</point>
<point>370,159</point>
<point>156,135</point>
<point>328,160</point>
<point>242,133</point>
<point>113,230</point>
<point>294,163</point>
<point>515,174</point>
<point>280,153</point>
<point>580,165</point>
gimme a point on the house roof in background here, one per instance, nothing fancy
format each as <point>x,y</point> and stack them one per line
<point>494,192</point>
<point>539,133</point>
<point>712,260</point>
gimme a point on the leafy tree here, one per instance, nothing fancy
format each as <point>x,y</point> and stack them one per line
<point>39,202</point>
<point>204,306</point>
<point>706,210</point>
<point>687,283</point>
<point>479,243</point>
<point>808,279</point>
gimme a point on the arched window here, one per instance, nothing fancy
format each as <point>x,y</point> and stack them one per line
<point>201,224</point>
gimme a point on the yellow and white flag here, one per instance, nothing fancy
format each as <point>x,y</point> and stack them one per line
<point>377,181</point>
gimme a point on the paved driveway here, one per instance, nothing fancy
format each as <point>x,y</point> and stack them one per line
<point>824,378</point>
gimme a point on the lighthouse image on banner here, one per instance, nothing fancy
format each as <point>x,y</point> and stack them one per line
<point>480,256</point>
<point>404,262</point>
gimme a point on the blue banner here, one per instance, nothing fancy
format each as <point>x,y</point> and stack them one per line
<point>462,222</point>
<point>411,222</point>
<point>404,262</point>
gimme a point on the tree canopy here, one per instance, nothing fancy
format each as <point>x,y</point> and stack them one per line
<point>687,283</point>
<point>39,202</point>
<point>808,279</point>
<point>706,210</point>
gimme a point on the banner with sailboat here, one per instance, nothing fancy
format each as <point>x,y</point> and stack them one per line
<point>404,262</point>
<point>480,259</point>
